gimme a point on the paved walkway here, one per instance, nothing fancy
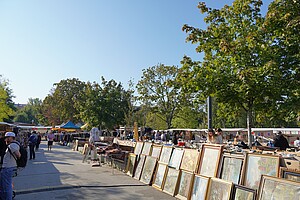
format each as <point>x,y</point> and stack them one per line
<point>60,174</point>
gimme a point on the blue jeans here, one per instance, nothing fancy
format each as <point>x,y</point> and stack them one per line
<point>6,183</point>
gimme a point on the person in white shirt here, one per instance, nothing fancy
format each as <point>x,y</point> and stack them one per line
<point>297,142</point>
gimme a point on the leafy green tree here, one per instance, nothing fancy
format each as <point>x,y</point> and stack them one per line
<point>158,89</point>
<point>6,104</point>
<point>236,68</point>
<point>31,113</point>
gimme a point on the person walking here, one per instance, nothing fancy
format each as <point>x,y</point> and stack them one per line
<point>280,141</point>
<point>38,141</point>
<point>32,143</point>
<point>9,166</point>
<point>50,138</point>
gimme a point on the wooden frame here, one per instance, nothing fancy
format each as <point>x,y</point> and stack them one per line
<point>210,160</point>
<point>147,148</point>
<point>199,188</point>
<point>243,193</point>
<point>185,185</point>
<point>156,150</point>
<point>160,175</point>
<point>231,167</point>
<point>139,167</point>
<point>290,174</point>
<point>131,161</point>
<point>277,188</point>
<point>148,170</point>
<point>176,158</point>
<point>165,154</point>
<point>171,181</point>
<point>219,189</point>
<point>190,160</point>
<point>257,165</point>
<point>138,148</point>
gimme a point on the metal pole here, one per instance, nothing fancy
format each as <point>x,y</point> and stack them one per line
<point>209,111</point>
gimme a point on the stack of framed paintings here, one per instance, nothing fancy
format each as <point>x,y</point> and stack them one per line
<point>160,175</point>
<point>165,155</point>
<point>139,167</point>
<point>257,165</point>
<point>210,160</point>
<point>148,170</point>
<point>185,185</point>
<point>190,160</point>
<point>219,189</point>
<point>131,164</point>
<point>200,186</point>
<point>147,148</point>
<point>138,148</point>
<point>231,167</point>
<point>156,149</point>
<point>171,181</point>
<point>176,158</point>
<point>243,193</point>
<point>277,188</point>
<point>290,174</point>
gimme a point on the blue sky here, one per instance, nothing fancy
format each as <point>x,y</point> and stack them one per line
<point>43,42</point>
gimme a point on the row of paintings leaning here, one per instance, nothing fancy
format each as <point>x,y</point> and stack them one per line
<point>209,173</point>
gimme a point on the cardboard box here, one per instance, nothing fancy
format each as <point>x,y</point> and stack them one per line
<point>290,163</point>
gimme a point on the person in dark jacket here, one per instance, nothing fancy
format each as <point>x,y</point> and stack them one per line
<point>38,141</point>
<point>280,141</point>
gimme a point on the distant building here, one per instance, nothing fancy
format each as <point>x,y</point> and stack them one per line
<point>20,106</point>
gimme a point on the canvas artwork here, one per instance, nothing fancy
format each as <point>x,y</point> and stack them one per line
<point>138,148</point>
<point>209,163</point>
<point>231,169</point>
<point>176,158</point>
<point>148,170</point>
<point>200,187</point>
<point>257,165</point>
<point>156,151</point>
<point>219,189</point>
<point>190,160</point>
<point>290,174</point>
<point>165,154</point>
<point>159,176</point>
<point>139,167</point>
<point>131,164</point>
<point>171,181</point>
<point>276,188</point>
<point>185,183</point>
<point>243,193</point>
<point>147,148</point>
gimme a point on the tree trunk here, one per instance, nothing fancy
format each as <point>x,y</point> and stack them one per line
<point>249,126</point>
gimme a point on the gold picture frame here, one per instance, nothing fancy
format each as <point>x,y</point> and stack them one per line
<point>171,181</point>
<point>147,148</point>
<point>257,165</point>
<point>231,167</point>
<point>243,193</point>
<point>219,189</point>
<point>165,154</point>
<point>210,160</point>
<point>131,161</point>
<point>190,160</point>
<point>185,184</point>
<point>138,148</point>
<point>148,170</point>
<point>290,174</point>
<point>278,188</point>
<point>199,188</point>
<point>156,150</point>
<point>176,158</point>
<point>160,175</point>
<point>139,167</point>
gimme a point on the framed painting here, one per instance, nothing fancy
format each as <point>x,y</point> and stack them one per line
<point>147,148</point>
<point>190,160</point>
<point>160,175</point>
<point>156,149</point>
<point>148,170</point>
<point>278,188</point>
<point>139,167</point>
<point>290,174</point>
<point>210,160</point>
<point>176,158</point>
<point>243,193</point>
<point>185,185</point>
<point>257,165</point>
<point>200,186</point>
<point>138,148</point>
<point>171,181</point>
<point>131,164</point>
<point>165,155</point>
<point>231,167</point>
<point>219,189</point>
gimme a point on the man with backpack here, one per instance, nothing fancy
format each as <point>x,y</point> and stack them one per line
<point>32,142</point>
<point>9,165</point>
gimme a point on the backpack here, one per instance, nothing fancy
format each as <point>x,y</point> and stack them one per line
<point>22,161</point>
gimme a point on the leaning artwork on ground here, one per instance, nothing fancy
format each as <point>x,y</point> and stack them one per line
<point>165,154</point>
<point>219,189</point>
<point>138,148</point>
<point>176,158</point>
<point>156,151</point>
<point>199,187</point>
<point>171,181</point>
<point>185,183</point>
<point>148,169</point>
<point>139,167</point>
<point>243,193</point>
<point>147,148</point>
<point>131,164</point>
<point>209,162</point>
<point>290,174</point>
<point>275,188</point>
<point>231,169</point>
<point>159,176</point>
<point>190,160</point>
<point>258,165</point>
